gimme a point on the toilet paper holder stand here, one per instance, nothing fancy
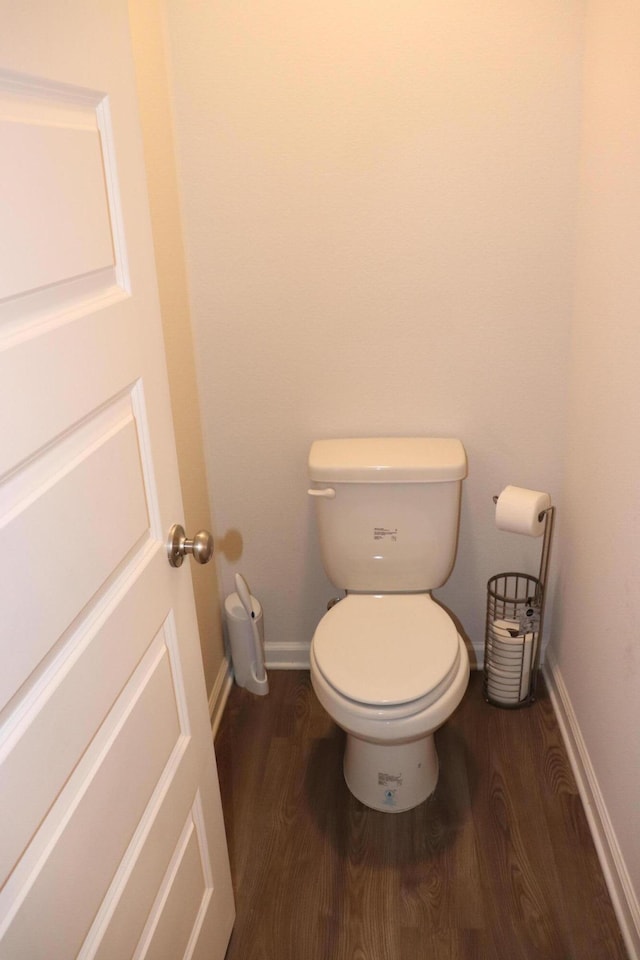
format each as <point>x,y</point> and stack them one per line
<point>503,600</point>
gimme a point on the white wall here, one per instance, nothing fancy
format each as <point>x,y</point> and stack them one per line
<point>378,209</point>
<point>596,650</point>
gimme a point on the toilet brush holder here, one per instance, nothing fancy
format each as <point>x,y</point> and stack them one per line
<point>246,642</point>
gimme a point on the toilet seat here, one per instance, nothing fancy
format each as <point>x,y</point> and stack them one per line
<point>395,653</point>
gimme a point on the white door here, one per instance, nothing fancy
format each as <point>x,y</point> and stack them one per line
<point>111,836</point>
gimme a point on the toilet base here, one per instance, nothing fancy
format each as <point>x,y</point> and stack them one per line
<point>391,777</point>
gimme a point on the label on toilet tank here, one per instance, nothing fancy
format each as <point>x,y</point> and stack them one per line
<point>385,533</point>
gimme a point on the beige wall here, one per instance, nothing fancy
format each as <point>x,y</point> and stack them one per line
<point>596,643</point>
<point>378,209</point>
<point>148,38</point>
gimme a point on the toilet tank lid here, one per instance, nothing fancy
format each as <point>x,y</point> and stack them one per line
<point>387,460</point>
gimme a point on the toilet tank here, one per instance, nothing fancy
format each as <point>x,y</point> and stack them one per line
<point>387,511</point>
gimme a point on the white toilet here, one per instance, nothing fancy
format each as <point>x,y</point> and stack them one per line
<point>387,662</point>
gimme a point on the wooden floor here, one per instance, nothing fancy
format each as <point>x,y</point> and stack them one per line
<point>497,865</point>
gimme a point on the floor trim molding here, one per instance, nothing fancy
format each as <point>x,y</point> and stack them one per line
<point>287,656</point>
<point>624,899</point>
<point>220,694</point>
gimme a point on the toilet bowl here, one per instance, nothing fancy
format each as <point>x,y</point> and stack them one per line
<point>390,669</point>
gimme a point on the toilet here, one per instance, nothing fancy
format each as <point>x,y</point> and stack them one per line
<point>387,662</point>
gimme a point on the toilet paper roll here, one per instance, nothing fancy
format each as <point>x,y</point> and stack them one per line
<point>518,511</point>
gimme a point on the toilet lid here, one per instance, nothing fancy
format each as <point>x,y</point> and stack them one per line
<point>387,649</point>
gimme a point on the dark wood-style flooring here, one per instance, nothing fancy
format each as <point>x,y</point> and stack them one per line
<point>498,865</point>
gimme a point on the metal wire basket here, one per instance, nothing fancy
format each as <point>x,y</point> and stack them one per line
<point>512,639</point>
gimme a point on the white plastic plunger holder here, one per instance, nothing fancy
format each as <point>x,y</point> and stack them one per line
<point>246,637</point>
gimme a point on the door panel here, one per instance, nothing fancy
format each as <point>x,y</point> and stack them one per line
<point>38,759</point>
<point>111,835</point>
<point>187,880</point>
<point>120,929</point>
<point>59,172</point>
<point>69,536</point>
<point>112,788</point>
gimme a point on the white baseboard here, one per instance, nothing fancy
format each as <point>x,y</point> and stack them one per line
<point>477,651</point>
<point>220,694</point>
<point>287,656</point>
<point>623,896</point>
